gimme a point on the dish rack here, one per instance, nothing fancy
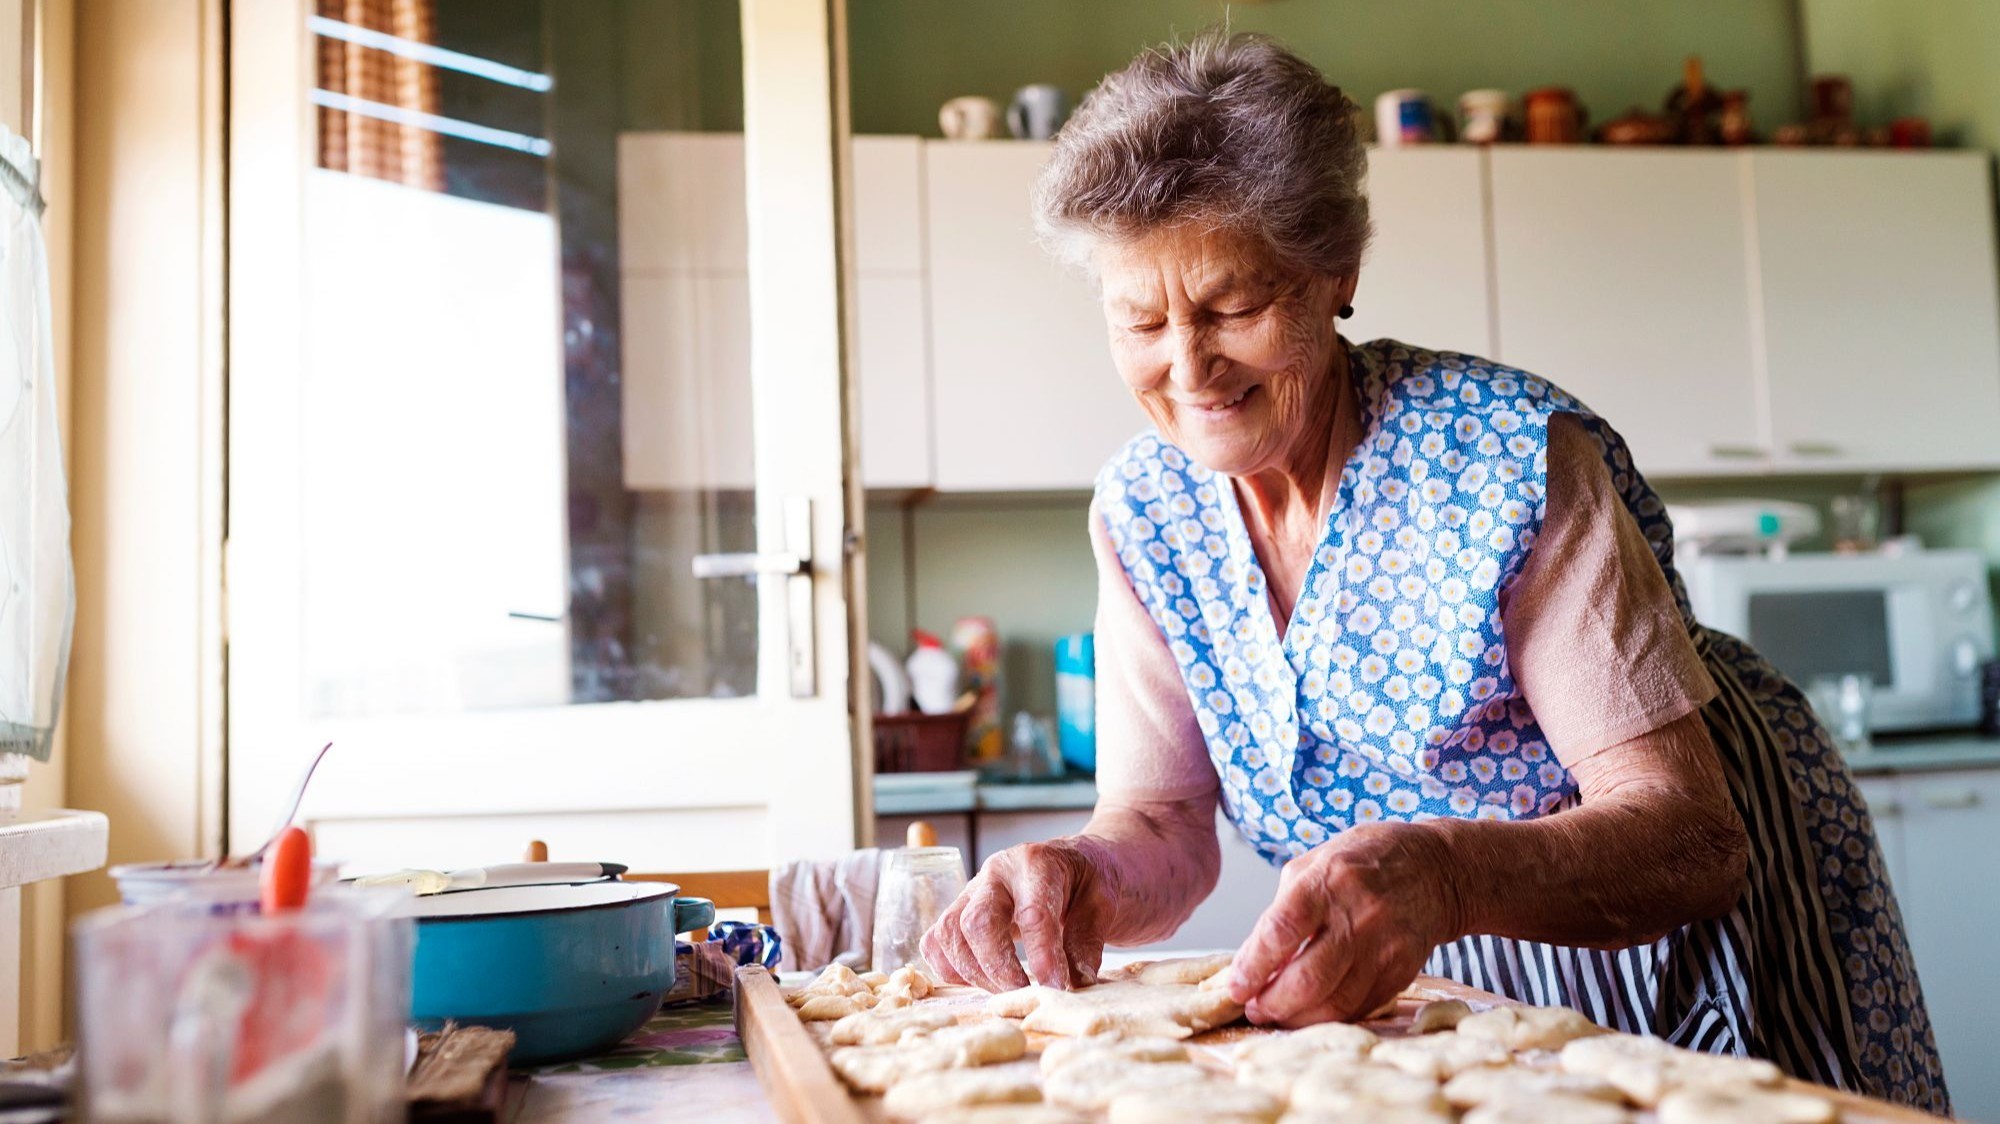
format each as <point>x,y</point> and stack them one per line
<point>920,743</point>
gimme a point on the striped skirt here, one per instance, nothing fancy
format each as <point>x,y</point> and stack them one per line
<point>1810,970</point>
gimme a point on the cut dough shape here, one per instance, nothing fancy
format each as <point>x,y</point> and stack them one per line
<point>822,1008</point>
<point>1441,1056</point>
<point>1487,1084</point>
<point>1359,1088</point>
<point>834,979</point>
<point>1005,1114</point>
<point>874,979</point>
<point>1126,1008</point>
<point>1745,1106</point>
<point>1274,1062</point>
<point>1549,1110</point>
<point>1214,1103</point>
<point>1109,1047</point>
<point>1090,1088</point>
<point>1373,1114</point>
<point>879,1026</point>
<point>1647,1069</point>
<point>907,982</point>
<point>873,1069</point>
<point>1529,1028</point>
<point>1186,970</point>
<point>1439,1014</point>
<point>928,1093</point>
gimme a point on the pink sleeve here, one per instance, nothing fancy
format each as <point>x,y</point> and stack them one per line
<point>1594,640</point>
<point>1148,744</point>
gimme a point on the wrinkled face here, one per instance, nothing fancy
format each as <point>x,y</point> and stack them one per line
<point>1229,355</point>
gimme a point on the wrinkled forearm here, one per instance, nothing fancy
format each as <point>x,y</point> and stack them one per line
<point>1643,854</point>
<point>1157,861</point>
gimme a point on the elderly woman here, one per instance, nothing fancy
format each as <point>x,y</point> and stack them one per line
<point>1412,617</point>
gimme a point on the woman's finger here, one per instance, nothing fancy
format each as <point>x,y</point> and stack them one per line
<point>1291,920</point>
<point>1041,897</point>
<point>944,946</point>
<point>1083,947</point>
<point>1321,972</point>
<point>988,927</point>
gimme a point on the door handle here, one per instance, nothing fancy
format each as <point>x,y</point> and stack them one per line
<point>795,565</point>
<point>1737,452</point>
<point>1951,799</point>
<point>1815,449</point>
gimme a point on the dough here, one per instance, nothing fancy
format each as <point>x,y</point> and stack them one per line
<point>1744,1106</point>
<point>1528,1028</point>
<point>1646,1069</point>
<point>1487,1084</point>
<point>872,1069</point>
<point>878,1026</point>
<point>835,979</point>
<point>1187,970</point>
<point>1274,1062</point>
<point>1109,1047</point>
<point>907,982</point>
<point>1549,1110</point>
<point>1005,1114</point>
<point>1125,1008</point>
<point>874,979</point>
<point>1215,1103</point>
<point>1374,1114</point>
<point>1359,1088</point>
<point>1439,1014</point>
<point>820,1008</point>
<point>928,1093</point>
<point>1440,1056</point>
<point>1090,1088</point>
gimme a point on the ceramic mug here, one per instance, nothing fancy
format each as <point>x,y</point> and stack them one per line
<point>1037,112</point>
<point>970,118</point>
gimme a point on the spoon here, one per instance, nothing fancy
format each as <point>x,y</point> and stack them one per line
<point>285,821</point>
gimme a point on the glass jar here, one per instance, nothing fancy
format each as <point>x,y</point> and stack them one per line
<point>918,884</point>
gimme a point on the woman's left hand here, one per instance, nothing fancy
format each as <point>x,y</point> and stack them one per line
<point>1353,922</point>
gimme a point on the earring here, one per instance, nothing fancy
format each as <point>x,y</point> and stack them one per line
<point>1346,311</point>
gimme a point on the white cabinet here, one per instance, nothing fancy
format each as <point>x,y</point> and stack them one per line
<point>1877,283</point>
<point>1025,394</point>
<point>684,254</point>
<point>1623,277</point>
<point>1425,280</point>
<point>1939,831</point>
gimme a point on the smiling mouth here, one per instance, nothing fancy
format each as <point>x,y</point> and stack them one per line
<point>1219,409</point>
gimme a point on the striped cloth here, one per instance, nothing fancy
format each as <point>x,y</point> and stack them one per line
<point>1820,983</point>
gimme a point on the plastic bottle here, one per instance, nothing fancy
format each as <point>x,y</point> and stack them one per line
<point>933,675</point>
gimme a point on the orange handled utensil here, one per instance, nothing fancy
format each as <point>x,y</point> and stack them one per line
<point>287,877</point>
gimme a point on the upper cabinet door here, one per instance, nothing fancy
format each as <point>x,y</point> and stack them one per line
<point>1624,277</point>
<point>1877,281</point>
<point>1425,280</point>
<point>1025,394</point>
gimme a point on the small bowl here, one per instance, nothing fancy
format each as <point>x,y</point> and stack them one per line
<point>225,889</point>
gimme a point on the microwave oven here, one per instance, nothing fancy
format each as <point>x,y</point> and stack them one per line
<point>1919,623</point>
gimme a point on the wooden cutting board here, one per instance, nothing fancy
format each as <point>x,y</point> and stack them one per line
<point>790,1056</point>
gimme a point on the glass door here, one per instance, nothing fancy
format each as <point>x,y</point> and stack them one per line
<point>537,437</point>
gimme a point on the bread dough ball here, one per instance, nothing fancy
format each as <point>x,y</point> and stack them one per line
<point>1721,1105</point>
<point>1646,1069</point>
<point>1005,1114</point>
<point>1361,1087</point>
<point>1373,1114</point>
<point>1440,1056</point>
<point>924,1094</point>
<point>907,982</point>
<point>1092,1088</point>
<point>1487,1084</point>
<point>883,1025</point>
<point>1550,1110</point>
<point>873,979</point>
<point>1214,1103</point>
<point>873,1069</point>
<point>1529,1028</point>
<point>1274,1062</point>
<point>1439,1014</point>
<point>823,1008</point>
<point>1109,1048</point>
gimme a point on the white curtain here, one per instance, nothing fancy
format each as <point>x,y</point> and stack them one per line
<point>37,589</point>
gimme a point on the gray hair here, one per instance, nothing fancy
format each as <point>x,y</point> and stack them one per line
<point>1232,132</point>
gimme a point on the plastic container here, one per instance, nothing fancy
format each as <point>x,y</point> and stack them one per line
<point>933,675</point>
<point>977,644</point>
<point>223,889</point>
<point>1076,700</point>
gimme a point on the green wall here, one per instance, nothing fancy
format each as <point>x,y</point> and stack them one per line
<point>910,56</point>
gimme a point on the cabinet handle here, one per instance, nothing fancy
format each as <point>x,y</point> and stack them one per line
<point>1815,449</point>
<point>1946,799</point>
<point>1738,452</point>
<point>1887,810</point>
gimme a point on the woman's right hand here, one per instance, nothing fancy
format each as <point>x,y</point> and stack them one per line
<point>1050,896</point>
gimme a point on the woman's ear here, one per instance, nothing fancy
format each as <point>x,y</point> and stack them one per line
<point>1343,292</point>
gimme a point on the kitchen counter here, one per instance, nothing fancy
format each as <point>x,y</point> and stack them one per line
<point>1963,751</point>
<point>917,794</point>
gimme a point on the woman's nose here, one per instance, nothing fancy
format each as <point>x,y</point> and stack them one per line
<point>1195,364</point>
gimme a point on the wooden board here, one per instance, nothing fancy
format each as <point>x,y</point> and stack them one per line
<point>790,1059</point>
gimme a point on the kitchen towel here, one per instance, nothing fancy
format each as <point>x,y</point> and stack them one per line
<point>824,910</point>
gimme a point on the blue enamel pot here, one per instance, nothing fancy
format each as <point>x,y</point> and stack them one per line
<point>571,970</point>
